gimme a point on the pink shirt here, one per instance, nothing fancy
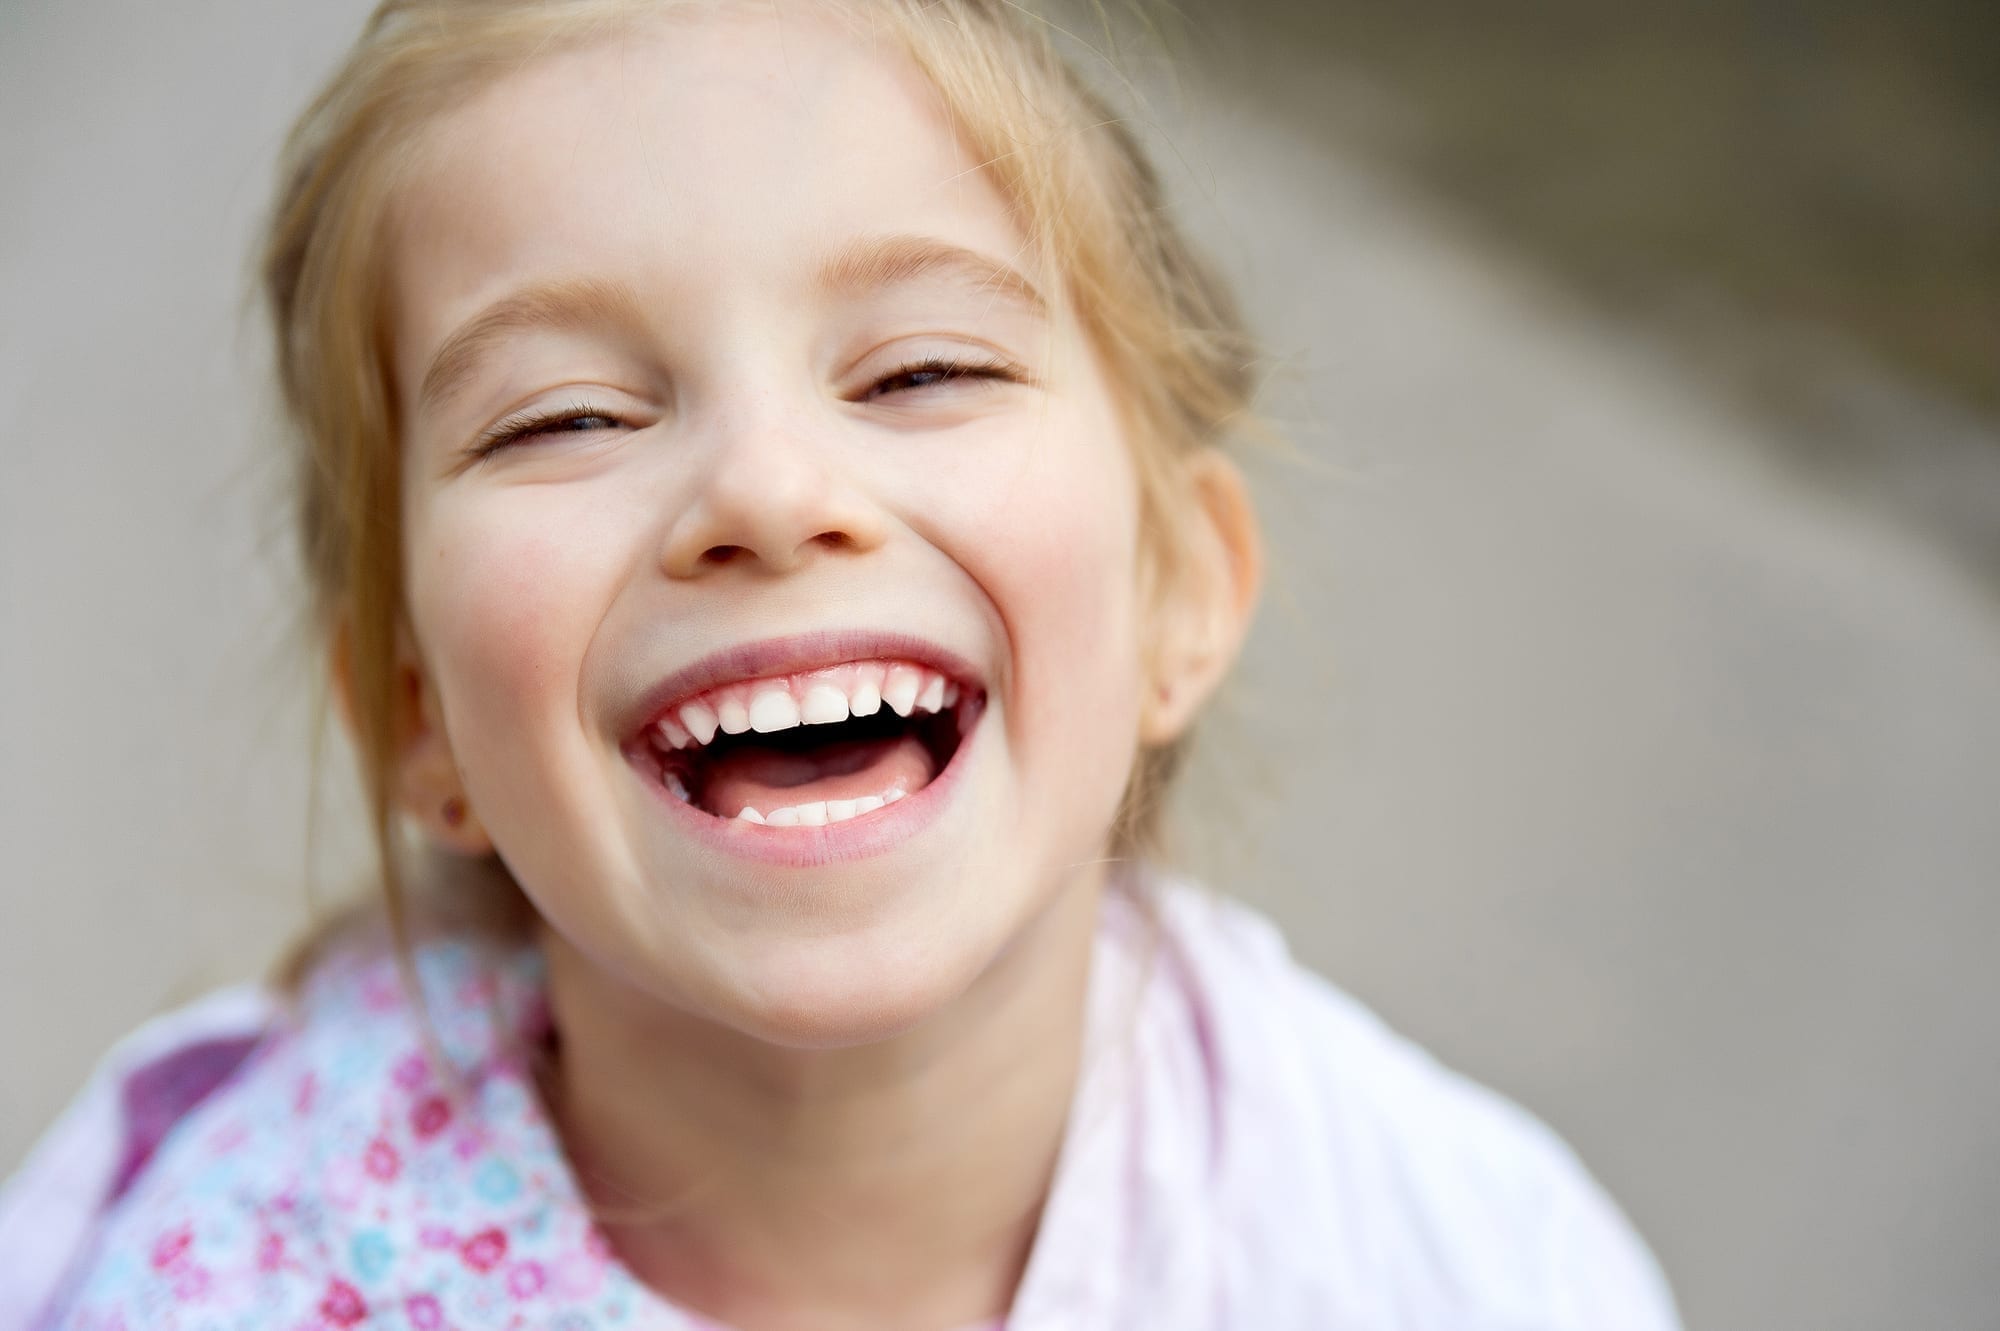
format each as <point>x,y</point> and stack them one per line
<point>1248,1148</point>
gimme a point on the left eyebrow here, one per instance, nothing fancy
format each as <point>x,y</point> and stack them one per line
<point>873,262</point>
<point>565,304</point>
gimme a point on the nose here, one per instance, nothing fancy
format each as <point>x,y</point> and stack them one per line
<point>771,493</point>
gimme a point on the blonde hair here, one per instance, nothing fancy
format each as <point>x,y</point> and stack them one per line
<point>1166,329</point>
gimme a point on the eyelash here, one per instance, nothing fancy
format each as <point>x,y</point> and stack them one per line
<point>947,370</point>
<point>528,424</point>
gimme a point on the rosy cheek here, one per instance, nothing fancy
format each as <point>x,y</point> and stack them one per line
<point>493,599</point>
<point>1053,537</point>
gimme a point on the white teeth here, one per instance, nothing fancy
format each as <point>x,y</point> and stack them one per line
<point>750,815</point>
<point>822,814</point>
<point>678,788</point>
<point>699,721</point>
<point>905,688</point>
<point>824,705</point>
<point>773,709</point>
<point>900,692</point>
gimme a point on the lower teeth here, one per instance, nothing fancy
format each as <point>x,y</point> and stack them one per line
<point>822,812</point>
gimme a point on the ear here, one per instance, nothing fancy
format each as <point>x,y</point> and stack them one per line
<point>424,776</point>
<point>1205,612</point>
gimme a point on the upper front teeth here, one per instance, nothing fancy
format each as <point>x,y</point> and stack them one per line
<point>824,704</point>
<point>773,709</point>
<point>820,697</point>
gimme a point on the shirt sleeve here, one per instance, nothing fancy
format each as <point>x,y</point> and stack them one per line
<point>51,1206</point>
<point>1603,1276</point>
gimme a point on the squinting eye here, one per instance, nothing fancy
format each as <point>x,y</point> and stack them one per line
<point>529,424</point>
<point>937,372</point>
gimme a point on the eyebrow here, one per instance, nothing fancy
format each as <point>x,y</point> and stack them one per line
<point>866,264</point>
<point>566,304</point>
<point>873,262</point>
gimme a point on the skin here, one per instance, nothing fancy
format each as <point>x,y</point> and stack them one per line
<point>821,1096</point>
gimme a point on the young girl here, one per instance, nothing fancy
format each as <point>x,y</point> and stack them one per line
<point>765,505</point>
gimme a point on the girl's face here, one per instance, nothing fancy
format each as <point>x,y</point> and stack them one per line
<point>729,399</point>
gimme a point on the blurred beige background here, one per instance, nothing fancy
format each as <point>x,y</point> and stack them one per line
<point>1598,732</point>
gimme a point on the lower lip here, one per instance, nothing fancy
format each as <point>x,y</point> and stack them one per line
<point>871,834</point>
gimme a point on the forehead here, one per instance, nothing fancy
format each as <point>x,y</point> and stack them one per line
<point>731,152</point>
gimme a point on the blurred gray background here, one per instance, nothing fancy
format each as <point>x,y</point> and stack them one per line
<point>1624,723</point>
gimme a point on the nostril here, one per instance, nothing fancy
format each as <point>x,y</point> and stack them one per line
<point>718,556</point>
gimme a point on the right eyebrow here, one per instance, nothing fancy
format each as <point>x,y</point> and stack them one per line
<point>564,304</point>
<point>872,262</point>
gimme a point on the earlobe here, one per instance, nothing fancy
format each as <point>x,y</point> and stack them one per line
<point>424,777</point>
<point>429,786</point>
<point>1207,611</point>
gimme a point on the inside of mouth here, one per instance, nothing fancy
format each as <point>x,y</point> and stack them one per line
<point>855,759</point>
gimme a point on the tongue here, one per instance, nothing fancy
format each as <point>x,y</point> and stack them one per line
<point>767,779</point>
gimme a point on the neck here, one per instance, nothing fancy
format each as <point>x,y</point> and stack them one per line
<point>894,1186</point>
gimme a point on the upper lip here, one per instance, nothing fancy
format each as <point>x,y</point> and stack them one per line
<point>794,655</point>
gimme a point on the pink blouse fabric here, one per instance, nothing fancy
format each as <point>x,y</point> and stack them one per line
<point>1248,1150</point>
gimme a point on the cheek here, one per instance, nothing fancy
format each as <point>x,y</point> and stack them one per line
<point>504,597</point>
<point>1064,535</point>
<point>1056,551</point>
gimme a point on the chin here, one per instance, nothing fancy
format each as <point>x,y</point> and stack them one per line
<point>839,992</point>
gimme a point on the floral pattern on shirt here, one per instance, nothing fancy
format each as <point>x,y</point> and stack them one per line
<point>345,1179</point>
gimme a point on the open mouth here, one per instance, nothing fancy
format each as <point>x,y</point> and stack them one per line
<point>810,749</point>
